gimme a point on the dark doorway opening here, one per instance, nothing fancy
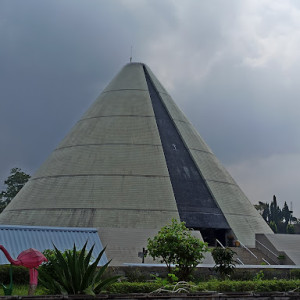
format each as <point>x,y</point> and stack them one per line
<point>210,235</point>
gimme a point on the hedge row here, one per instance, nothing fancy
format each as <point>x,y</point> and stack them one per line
<point>20,274</point>
<point>246,286</point>
<point>218,286</point>
<point>126,287</point>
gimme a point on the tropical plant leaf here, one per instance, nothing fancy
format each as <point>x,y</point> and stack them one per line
<point>88,258</point>
<point>101,271</point>
<point>92,269</point>
<point>60,272</point>
<point>106,282</point>
<point>61,262</point>
<point>82,256</point>
<point>88,277</point>
<point>89,291</point>
<point>72,272</point>
<point>76,268</point>
<point>49,283</point>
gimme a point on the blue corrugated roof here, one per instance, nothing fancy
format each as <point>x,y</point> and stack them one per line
<point>17,238</point>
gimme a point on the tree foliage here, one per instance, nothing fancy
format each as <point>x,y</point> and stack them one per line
<point>175,245</point>
<point>290,229</point>
<point>273,226</point>
<point>279,220</point>
<point>13,183</point>
<point>225,264</point>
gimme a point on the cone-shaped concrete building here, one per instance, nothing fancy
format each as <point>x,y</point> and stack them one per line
<point>131,164</point>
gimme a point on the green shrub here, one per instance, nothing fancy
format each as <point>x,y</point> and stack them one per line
<point>263,286</point>
<point>273,226</point>
<point>20,274</point>
<point>215,285</point>
<point>225,263</point>
<point>282,285</point>
<point>258,286</point>
<point>290,229</point>
<point>174,244</point>
<point>132,287</point>
<point>295,273</point>
<point>243,286</point>
<point>274,274</point>
<point>135,275</point>
<point>259,276</point>
<point>241,275</point>
<point>73,273</point>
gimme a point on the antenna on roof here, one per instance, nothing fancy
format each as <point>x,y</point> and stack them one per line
<point>291,212</point>
<point>130,54</point>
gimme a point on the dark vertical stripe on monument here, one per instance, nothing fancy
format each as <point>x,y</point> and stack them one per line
<point>195,203</point>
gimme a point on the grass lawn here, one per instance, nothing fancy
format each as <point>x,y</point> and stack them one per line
<point>22,290</point>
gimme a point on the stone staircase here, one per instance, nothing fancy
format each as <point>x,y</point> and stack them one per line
<point>248,259</point>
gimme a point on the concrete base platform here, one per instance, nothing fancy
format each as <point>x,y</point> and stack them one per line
<point>284,248</point>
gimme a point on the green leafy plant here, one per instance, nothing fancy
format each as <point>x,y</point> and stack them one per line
<point>295,273</point>
<point>172,285</point>
<point>225,264</point>
<point>132,287</point>
<point>72,272</point>
<point>20,274</point>
<point>281,257</point>
<point>164,282</point>
<point>160,281</point>
<point>290,229</point>
<point>212,285</point>
<point>259,276</point>
<point>273,226</point>
<point>175,245</point>
<point>172,278</point>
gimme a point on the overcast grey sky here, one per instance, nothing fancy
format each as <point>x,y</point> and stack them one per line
<point>232,66</point>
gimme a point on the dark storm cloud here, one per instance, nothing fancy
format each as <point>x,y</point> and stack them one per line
<point>222,87</point>
<point>56,57</point>
<point>250,114</point>
<point>231,66</point>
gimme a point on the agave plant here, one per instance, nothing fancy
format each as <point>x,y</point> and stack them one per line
<point>72,272</point>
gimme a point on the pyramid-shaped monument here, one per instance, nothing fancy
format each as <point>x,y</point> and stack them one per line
<point>131,164</point>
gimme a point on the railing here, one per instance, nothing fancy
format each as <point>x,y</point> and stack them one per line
<point>266,261</point>
<point>239,260</point>
<point>220,243</point>
<point>248,249</point>
<point>276,255</point>
<point>253,253</point>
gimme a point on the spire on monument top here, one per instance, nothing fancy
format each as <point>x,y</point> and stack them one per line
<point>130,60</point>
